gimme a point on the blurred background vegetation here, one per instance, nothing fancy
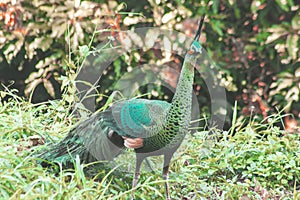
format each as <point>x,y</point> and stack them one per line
<point>254,44</point>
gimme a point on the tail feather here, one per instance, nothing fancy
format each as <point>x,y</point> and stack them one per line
<point>91,140</point>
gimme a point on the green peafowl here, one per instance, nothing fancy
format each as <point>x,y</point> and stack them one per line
<point>161,125</point>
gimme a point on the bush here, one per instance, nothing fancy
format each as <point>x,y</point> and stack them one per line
<point>254,43</point>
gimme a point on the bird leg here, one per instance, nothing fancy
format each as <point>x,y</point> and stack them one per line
<point>166,178</point>
<point>167,159</point>
<point>136,175</point>
<point>134,183</point>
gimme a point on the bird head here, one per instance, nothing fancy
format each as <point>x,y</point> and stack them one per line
<point>196,48</point>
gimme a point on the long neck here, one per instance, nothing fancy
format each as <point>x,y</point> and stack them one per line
<point>182,100</point>
<point>179,115</point>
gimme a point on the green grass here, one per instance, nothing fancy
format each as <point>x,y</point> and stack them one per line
<point>258,161</point>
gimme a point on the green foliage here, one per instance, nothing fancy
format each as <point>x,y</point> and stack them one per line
<point>22,119</point>
<point>255,162</point>
<point>254,43</point>
<point>35,42</point>
<point>245,164</point>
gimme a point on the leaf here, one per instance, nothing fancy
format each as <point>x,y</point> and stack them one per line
<point>234,117</point>
<point>296,21</point>
<point>40,43</point>
<point>292,94</point>
<point>168,16</point>
<point>131,20</point>
<point>78,35</point>
<point>77,3</point>
<point>84,50</point>
<point>255,6</point>
<point>117,67</point>
<point>2,94</point>
<point>46,44</point>
<point>137,40</point>
<point>126,41</point>
<point>167,47</point>
<point>292,45</point>
<point>237,12</point>
<point>277,32</point>
<point>13,49</point>
<point>34,75</point>
<point>151,37</point>
<point>49,87</point>
<point>69,98</point>
<point>283,5</point>
<point>58,29</point>
<point>215,6</point>
<point>217,26</point>
<point>46,8</point>
<point>297,72</point>
<point>31,86</point>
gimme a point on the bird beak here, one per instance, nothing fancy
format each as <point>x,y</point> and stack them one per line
<point>198,33</point>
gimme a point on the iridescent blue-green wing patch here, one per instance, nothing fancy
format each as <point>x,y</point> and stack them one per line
<point>133,118</point>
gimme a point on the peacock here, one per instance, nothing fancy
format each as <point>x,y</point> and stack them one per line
<point>160,126</point>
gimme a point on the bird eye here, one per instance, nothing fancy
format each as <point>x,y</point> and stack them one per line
<point>191,52</point>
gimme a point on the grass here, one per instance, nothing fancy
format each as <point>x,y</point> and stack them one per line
<point>257,161</point>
